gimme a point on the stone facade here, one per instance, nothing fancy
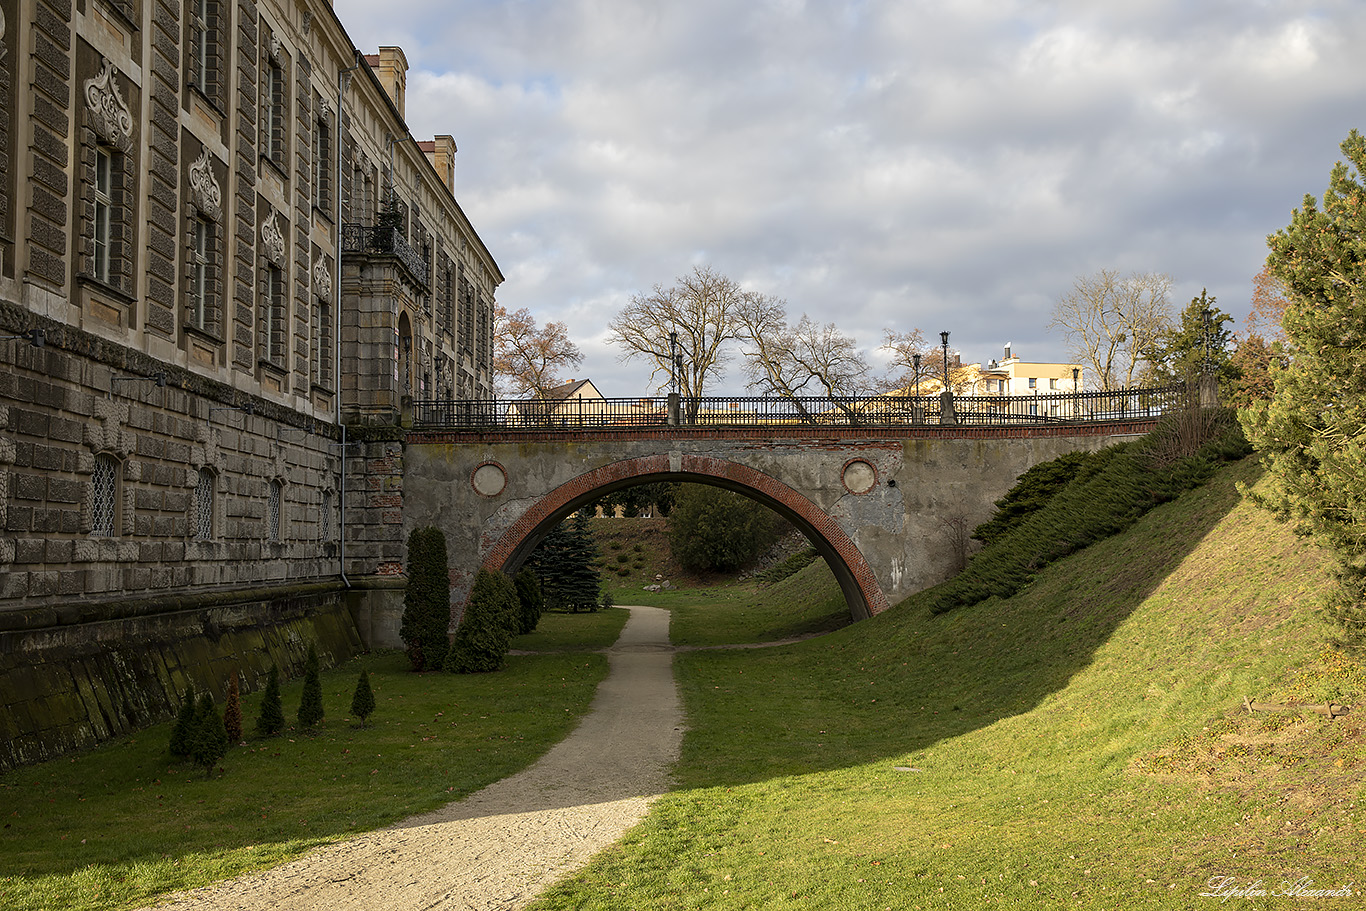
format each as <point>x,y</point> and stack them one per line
<point>225,266</point>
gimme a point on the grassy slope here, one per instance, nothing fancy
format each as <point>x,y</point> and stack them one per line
<point>1081,744</point>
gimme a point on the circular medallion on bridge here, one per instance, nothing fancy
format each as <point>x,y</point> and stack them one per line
<point>859,476</point>
<point>489,479</point>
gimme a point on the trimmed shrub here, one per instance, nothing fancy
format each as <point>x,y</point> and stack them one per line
<point>715,530</point>
<point>184,724</point>
<point>529,601</point>
<point>481,641</point>
<point>363,699</point>
<point>272,718</point>
<point>208,737</point>
<point>425,628</point>
<point>232,712</point>
<point>311,704</point>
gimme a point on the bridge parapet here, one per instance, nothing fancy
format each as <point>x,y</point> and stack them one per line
<point>805,414</point>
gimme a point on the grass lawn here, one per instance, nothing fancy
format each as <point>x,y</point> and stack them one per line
<point>1080,745</point>
<point>118,826</point>
<point>568,631</point>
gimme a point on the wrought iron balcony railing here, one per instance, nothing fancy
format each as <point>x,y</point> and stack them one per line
<point>387,239</point>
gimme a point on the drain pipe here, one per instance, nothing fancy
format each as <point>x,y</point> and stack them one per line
<point>343,83</point>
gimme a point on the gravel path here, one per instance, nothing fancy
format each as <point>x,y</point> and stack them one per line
<point>502,846</point>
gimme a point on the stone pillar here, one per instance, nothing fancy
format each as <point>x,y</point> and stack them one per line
<point>946,412</point>
<point>673,409</point>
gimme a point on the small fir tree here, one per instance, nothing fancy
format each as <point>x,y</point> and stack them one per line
<point>363,699</point>
<point>582,582</point>
<point>184,724</point>
<point>425,628</point>
<point>232,712</point>
<point>529,601</point>
<point>311,704</point>
<point>481,641</point>
<point>208,738</point>
<point>272,719</point>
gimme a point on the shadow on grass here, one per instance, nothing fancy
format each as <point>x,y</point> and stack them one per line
<point>907,679</point>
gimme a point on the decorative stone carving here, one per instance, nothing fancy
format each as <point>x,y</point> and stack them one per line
<point>109,115</point>
<point>204,191</point>
<point>322,278</point>
<point>274,51</point>
<point>272,241</point>
<point>3,49</point>
<point>308,21</point>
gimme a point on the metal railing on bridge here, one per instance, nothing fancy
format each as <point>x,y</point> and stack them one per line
<point>538,415</point>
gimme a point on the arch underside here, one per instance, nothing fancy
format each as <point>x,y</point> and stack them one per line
<point>861,590</point>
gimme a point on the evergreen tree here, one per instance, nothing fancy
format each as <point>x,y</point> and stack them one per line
<point>272,718</point>
<point>363,699</point>
<point>566,563</point>
<point>1182,352</point>
<point>184,723</point>
<point>715,530</point>
<point>1312,433</point>
<point>529,601</point>
<point>208,737</point>
<point>311,704</point>
<point>481,640</point>
<point>425,628</point>
<point>232,712</point>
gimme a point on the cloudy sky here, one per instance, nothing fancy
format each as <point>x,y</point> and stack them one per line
<point>933,165</point>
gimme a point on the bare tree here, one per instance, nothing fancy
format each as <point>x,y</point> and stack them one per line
<point>806,359</point>
<point>527,359</point>
<point>902,373</point>
<point>1110,320</point>
<point>702,308</point>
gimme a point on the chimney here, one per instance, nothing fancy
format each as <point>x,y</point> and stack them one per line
<point>1007,357</point>
<point>393,75</point>
<point>442,156</point>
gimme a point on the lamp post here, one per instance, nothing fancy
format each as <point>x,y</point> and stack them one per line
<point>673,361</point>
<point>944,339</point>
<point>1076,401</point>
<point>915,365</point>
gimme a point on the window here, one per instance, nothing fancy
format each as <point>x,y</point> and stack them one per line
<point>201,253</point>
<point>273,113</point>
<point>103,213</point>
<point>104,496</point>
<point>203,506</point>
<point>1033,382</point>
<point>466,317</point>
<point>273,509</point>
<point>273,316</point>
<point>322,343</point>
<point>322,166</point>
<point>202,16</point>
<point>1053,384</point>
<point>325,517</point>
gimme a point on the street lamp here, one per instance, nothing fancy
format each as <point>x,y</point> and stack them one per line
<point>944,339</point>
<point>1076,372</point>
<point>915,365</point>
<point>1206,340</point>
<point>673,361</point>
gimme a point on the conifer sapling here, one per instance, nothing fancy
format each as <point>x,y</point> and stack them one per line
<point>363,700</point>
<point>311,705</point>
<point>272,718</point>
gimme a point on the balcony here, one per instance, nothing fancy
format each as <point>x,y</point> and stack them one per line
<point>387,240</point>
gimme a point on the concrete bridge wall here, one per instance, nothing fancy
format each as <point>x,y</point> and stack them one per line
<point>876,508</point>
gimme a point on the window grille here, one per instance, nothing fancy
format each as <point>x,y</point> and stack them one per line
<point>322,343</point>
<point>200,245</point>
<point>203,506</point>
<point>104,207</point>
<point>273,317</point>
<point>325,519</point>
<point>273,113</point>
<point>273,510</point>
<point>104,496</point>
<point>322,166</point>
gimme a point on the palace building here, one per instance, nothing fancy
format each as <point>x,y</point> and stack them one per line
<point>225,268</point>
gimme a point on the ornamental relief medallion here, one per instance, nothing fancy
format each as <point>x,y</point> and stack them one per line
<point>108,114</point>
<point>205,194</point>
<point>272,241</point>
<point>322,278</point>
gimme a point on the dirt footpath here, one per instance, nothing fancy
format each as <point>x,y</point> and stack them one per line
<point>502,846</point>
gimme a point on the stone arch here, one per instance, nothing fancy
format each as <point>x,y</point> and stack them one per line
<point>856,579</point>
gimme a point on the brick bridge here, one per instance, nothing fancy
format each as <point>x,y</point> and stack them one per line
<point>876,502</point>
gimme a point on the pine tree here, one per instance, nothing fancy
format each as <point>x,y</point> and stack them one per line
<point>232,712</point>
<point>550,562</point>
<point>481,640</point>
<point>1312,433</point>
<point>1200,340</point>
<point>208,737</point>
<point>363,699</point>
<point>311,704</point>
<point>184,723</point>
<point>272,718</point>
<point>529,601</point>
<point>581,583</point>
<point>425,628</point>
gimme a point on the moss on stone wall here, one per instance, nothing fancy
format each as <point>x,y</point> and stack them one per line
<point>72,686</point>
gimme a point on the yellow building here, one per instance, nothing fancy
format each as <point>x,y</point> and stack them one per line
<point>1012,375</point>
